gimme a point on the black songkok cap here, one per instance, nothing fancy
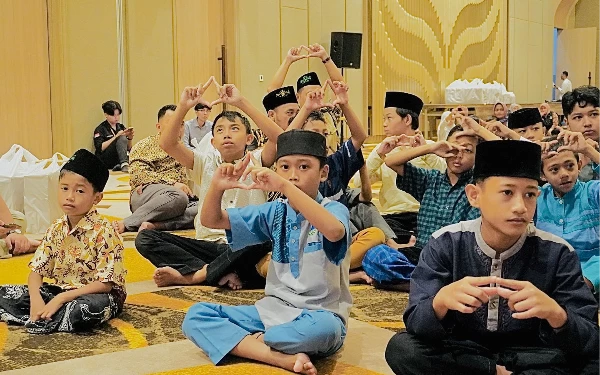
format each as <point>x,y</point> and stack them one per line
<point>524,117</point>
<point>301,142</point>
<point>403,100</point>
<point>307,79</point>
<point>89,166</point>
<point>508,159</point>
<point>279,97</point>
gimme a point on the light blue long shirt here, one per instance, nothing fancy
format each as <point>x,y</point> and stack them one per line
<point>306,270</point>
<point>575,217</point>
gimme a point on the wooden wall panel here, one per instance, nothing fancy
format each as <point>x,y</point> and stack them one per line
<point>198,36</point>
<point>587,14</point>
<point>577,54</point>
<point>257,46</point>
<point>24,77</point>
<point>84,68</point>
<point>422,46</point>
<point>149,57</point>
<point>530,49</point>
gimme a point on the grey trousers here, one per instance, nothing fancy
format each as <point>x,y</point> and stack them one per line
<point>364,215</point>
<point>116,153</point>
<point>164,205</point>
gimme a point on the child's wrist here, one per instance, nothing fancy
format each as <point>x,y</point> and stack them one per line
<point>558,318</point>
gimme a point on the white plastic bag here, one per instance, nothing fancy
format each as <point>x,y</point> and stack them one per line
<point>41,194</point>
<point>14,165</point>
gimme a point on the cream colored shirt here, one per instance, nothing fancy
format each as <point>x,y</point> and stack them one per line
<point>391,199</point>
<point>205,165</point>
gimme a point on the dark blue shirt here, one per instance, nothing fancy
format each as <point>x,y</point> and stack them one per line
<point>543,259</point>
<point>343,164</point>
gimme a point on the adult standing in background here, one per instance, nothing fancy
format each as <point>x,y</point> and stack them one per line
<point>198,127</point>
<point>112,140</point>
<point>566,85</point>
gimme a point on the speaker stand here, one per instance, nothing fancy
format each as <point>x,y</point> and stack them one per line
<point>342,120</point>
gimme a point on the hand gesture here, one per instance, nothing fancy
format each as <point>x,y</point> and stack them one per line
<point>547,148</point>
<point>499,129</point>
<point>529,302</point>
<point>193,95</point>
<point>294,55</point>
<point>445,149</point>
<point>229,176</point>
<point>18,243</point>
<point>411,140</point>
<point>465,295</point>
<point>388,145</point>
<point>51,308</point>
<point>317,50</point>
<point>572,141</point>
<point>183,187</point>
<point>120,133</point>
<point>316,99</point>
<point>469,125</point>
<point>264,179</point>
<point>228,94</point>
<point>340,89</point>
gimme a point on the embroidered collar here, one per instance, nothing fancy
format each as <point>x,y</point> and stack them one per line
<point>493,253</point>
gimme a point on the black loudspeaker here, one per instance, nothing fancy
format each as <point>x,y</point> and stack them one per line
<point>346,49</point>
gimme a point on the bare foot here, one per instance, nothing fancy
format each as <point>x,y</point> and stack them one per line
<point>412,241</point>
<point>303,365</point>
<point>394,245</point>
<point>360,277</point>
<point>501,370</point>
<point>232,280</point>
<point>146,225</point>
<point>119,226</point>
<point>166,276</point>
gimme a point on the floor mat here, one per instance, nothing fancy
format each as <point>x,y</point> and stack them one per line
<point>156,317</point>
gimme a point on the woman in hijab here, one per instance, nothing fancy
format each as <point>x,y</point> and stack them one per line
<point>500,112</point>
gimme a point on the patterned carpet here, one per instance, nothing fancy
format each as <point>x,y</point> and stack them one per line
<point>155,318</point>
<point>152,319</point>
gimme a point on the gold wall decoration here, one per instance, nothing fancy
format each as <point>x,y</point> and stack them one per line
<point>421,46</point>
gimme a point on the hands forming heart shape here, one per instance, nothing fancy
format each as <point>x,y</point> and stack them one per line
<point>228,94</point>
<point>315,99</point>
<point>313,50</point>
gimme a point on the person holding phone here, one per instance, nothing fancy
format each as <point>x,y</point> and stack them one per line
<point>112,140</point>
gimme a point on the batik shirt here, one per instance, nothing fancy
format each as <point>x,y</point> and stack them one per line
<point>306,270</point>
<point>541,258</point>
<point>150,164</point>
<point>91,251</point>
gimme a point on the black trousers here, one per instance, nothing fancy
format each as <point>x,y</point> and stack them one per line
<point>116,153</point>
<point>403,224</point>
<point>407,354</point>
<point>188,255</point>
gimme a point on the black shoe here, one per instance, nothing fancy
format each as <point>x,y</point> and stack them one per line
<point>116,168</point>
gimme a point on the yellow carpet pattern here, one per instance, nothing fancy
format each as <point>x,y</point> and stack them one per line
<point>154,317</point>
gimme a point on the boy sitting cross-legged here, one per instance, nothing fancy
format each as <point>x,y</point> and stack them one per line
<point>83,255</point>
<point>496,295</point>
<point>307,301</point>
